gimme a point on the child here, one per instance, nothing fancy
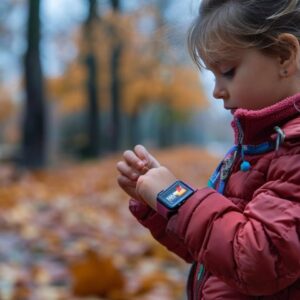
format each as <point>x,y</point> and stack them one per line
<point>242,232</point>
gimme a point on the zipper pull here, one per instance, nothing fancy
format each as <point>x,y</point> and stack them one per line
<point>200,272</point>
<point>200,282</point>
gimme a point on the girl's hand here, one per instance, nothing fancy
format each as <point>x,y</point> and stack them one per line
<point>153,182</point>
<point>134,164</point>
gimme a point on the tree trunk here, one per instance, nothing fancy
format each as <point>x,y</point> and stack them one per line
<point>115,83</point>
<point>116,5</point>
<point>134,128</point>
<point>34,128</point>
<point>115,94</point>
<point>93,147</point>
<point>166,126</point>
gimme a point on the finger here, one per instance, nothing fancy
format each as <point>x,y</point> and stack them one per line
<point>142,153</point>
<point>145,155</point>
<point>127,171</point>
<point>132,159</point>
<point>129,187</point>
<point>125,182</point>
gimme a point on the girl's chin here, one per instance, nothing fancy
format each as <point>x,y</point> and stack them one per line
<point>231,109</point>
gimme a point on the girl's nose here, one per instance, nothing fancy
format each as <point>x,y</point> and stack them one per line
<point>220,92</point>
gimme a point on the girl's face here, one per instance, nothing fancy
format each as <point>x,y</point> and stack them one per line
<point>252,80</point>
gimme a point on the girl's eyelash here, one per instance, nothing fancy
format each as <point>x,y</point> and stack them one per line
<point>230,73</point>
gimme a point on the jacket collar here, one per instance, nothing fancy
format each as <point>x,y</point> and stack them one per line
<point>252,127</point>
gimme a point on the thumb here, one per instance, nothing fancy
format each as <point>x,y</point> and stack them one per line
<point>146,157</point>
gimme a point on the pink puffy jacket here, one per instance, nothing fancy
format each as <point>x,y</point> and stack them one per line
<point>244,243</point>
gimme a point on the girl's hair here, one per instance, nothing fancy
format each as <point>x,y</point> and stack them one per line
<point>223,25</point>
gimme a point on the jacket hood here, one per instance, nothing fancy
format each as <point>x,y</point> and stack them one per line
<point>253,127</point>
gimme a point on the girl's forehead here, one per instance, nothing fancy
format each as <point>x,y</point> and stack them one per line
<point>217,57</point>
<point>219,44</point>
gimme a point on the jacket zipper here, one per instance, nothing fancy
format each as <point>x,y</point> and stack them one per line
<point>191,281</point>
<point>201,275</point>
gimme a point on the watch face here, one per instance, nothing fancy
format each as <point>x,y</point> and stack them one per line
<point>175,195</point>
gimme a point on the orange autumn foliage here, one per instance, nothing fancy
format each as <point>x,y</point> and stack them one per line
<point>79,216</point>
<point>95,275</point>
<point>145,77</point>
<point>21,291</point>
<point>69,90</point>
<point>7,108</point>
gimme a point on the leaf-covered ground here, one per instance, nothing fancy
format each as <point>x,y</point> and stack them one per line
<point>66,233</point>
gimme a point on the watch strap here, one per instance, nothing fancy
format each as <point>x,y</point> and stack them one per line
<point>163,210</point>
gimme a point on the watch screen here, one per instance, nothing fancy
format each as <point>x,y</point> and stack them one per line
<point>175,194</point>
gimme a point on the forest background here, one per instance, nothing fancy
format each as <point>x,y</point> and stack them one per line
<point>80,81</point>
<point>100,77</point>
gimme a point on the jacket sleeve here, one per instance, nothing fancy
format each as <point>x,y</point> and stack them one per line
<point>157,226</point>
<point>256,251</point>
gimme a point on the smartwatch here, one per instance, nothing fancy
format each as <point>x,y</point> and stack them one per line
<point>170,199</point>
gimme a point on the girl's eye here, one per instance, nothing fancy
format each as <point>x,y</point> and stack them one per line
<point>229,74</point>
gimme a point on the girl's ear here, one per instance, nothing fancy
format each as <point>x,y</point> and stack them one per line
<point>289,54</point>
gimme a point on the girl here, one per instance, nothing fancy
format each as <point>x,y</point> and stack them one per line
<point>242,232</point>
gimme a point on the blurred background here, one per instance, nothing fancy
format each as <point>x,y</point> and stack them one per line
<point>80,82</point>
